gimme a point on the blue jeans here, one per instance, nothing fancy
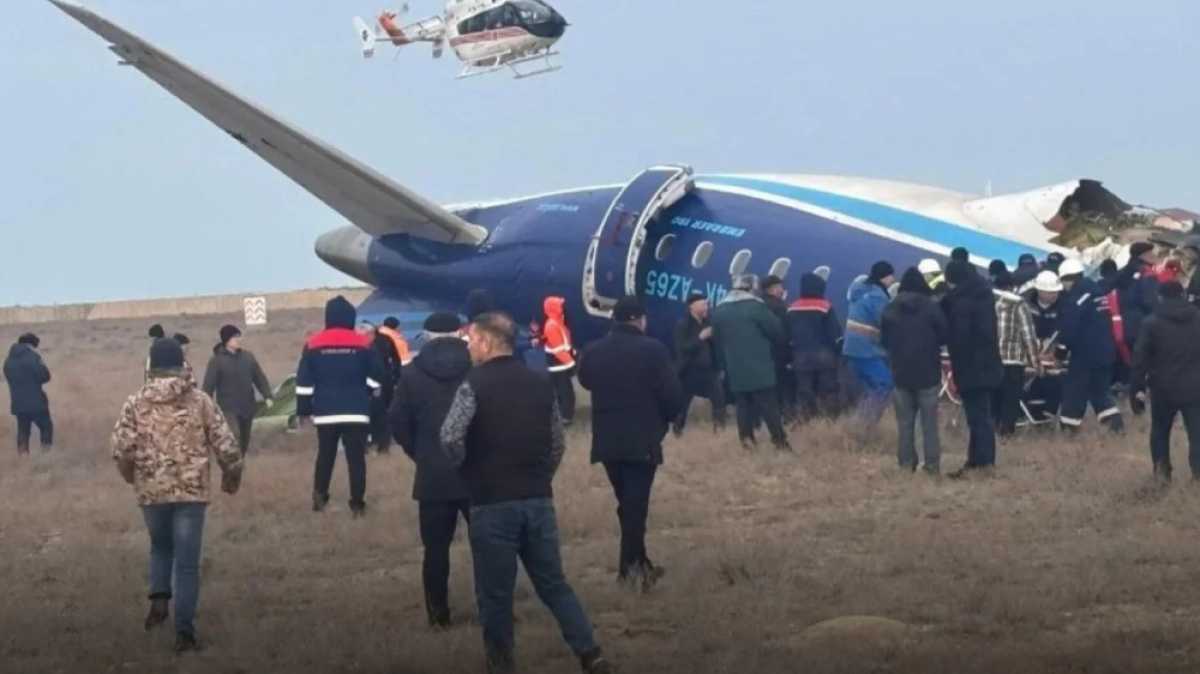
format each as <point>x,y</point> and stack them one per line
<point>876,379</point>
<point>176,535</point>
<point>501,534</point>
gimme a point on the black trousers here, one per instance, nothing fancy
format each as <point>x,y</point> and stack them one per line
<point>353,438</point>
<point>757,405</point>
<point>241,427</point>
<point>632,483</point>
<point>1006,403</point>
<point>564,392</point>
<point>439,521</point>
<point>981,446</point>
<point>1162,418</point>
<point>25,424</point>
<point>785,390</point>
<point>713,391</point>
<point>381,433</point>
<point>816,392</point>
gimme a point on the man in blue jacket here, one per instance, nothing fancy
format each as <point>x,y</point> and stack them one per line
<point>27,374</point>
<point>338,376</point>
<point>1086,330</point>
<point>867,357</point>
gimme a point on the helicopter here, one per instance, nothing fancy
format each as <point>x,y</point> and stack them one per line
<point>487,36</point>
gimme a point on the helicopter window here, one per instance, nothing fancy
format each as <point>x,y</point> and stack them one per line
<point>740,262</point>
<point>532,12</point>
<point>664,247</point>
<point>781,267</point>
<point>703,252</point>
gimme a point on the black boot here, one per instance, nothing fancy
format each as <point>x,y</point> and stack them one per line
<point>186,642</point>
<point>593,662</point>
<point>500,662</point>
<point>358,510</point>
<point>319,501</point>
<point>160,610</point>
<point>1162,472</point>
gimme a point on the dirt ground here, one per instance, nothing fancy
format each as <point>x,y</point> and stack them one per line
<point>1066,561</point>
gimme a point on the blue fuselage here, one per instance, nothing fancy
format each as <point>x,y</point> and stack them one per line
<point>537,247</point>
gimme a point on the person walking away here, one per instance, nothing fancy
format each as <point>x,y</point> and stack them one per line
<point>27,374</point>
<point>635,396</point>
<point>380,438</point>
<point>504,434</point>
<point>1133,298</point>
<point>1019,351</point>
<point>1167,363</point>
<point>746,332</point>
<point>422,399</point>
<point>696,363</point>
<point>162,444</point>
<point>774,296</point>
<point>861,346</point>
<point>815,335</point>
<point>1086,326</point>
<point>913,330</point>
<point>232,375</point>
<point>560,355</point>
<point>338,376</point>
<point>973,343</point>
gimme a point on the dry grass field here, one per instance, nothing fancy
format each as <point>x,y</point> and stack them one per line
<point>1064,562</point>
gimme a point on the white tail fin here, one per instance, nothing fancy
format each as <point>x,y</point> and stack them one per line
<point>366,37</point>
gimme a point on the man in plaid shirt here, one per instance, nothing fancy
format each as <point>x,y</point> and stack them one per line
<point>1018,351</point>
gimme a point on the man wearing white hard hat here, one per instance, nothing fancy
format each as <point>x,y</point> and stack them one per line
<point>1045,301</point>
<point>1086,329</point>
<point>932,271</point>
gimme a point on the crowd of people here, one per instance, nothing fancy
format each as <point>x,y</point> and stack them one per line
<point>1033,345</point>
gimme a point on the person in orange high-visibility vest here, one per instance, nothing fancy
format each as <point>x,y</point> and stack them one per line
<point>391,330</point>
<point>560,356</point>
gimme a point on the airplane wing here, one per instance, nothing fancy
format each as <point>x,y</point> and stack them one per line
<point>374,203</point>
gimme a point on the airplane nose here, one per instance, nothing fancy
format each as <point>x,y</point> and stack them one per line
<point>347,250</point>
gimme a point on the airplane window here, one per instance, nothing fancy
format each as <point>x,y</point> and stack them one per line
<point>740,262</point>
<point>664,247</point>
<point>532,12</point>
<point>781,267</point>
<point>703,252</point>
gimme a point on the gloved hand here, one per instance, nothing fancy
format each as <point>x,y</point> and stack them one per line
<point>1137,403</point>
<point>231,481</point>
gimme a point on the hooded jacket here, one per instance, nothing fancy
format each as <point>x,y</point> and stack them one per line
<point>339,372</point>
<point>813,327</point>
<point>1167,357</point>
<point>556,337</point>
<point>745,333</point>
<point>164,438</point>
<point>867,300</point>
<point>26,374</point>
<point>913,330</point>
<point>231,378</point>
<point>972,339</point>
<point>635,395</point>
<point>1015,330</point>
<point>422,399</point>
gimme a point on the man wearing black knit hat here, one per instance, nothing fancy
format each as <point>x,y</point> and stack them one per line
<point>861,345</point>
<point>696,363</point>
<point>422,399</point>
<point>973,342</point>
<point>338,376</point>
<point>231,377</point>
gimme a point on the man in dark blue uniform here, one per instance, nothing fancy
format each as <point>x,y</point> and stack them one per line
<point>1086,329</point>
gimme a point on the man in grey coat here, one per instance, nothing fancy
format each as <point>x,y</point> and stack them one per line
<point>232,375</point>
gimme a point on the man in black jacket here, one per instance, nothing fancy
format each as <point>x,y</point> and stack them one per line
<point>231,377</point>
<point>815,335</point>
<point>774,295</point>
<point>973,343</point>
<point>696,363</point>
<point>419,408</point>
<point>1167,360</point>
<point>385,350</point>
<point>26,374</point>
<point>338,377</point>
<point>635,395</point>
<point>505,435</point>
<point>913,331</point>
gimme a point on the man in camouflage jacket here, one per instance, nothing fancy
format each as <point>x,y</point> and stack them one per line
<point>162,444</point>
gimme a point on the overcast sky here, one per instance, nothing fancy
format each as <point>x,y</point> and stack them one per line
<point>114,189</point>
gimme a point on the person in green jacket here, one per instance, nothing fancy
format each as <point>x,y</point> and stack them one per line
<point>746,333</point>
